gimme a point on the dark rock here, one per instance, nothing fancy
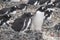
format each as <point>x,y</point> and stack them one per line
<point>58,5</point>
<point>6,0</point>
<point>57,27</point>
<point>3,11</point>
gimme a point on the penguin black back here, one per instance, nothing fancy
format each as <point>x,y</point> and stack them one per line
<point>19,22</point>
<point>3,11</point>
<point>4,19</point>
<point>32,2</point>
<point>42,9</point>
<point>13,8</point>
<point>43,1</point>
<point>47,13</point>
<point>21,6</point>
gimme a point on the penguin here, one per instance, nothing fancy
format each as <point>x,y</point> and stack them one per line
<point>7,10</point>
<point>4,19</point>
<point>22,23</point>
<point>48,14</point>
<point>38,19</point>
<point>13,8</point>
<point>33,2</point>
<point>4,11</point>
<point>50,6</point>
<point>18,7</point>
<point>5,14</point>
<point>22,6</point>
<point>56,2</point>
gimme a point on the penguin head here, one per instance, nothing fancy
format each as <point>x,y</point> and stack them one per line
<point>42,9</point>
<point>28,14</point>
<point>13,8</point>
<point>49,11</point>
<point>21,6</point>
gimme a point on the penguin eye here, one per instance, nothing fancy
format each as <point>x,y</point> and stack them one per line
<point>15,6</point>
<point>42,7</point>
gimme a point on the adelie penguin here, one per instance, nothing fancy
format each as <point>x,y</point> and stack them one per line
<point>13,8</point>
<point>18,7</point>
<point>4,14</point>
<point>33,2</point>
<point>4,19</point>
<point>22,23</point>
<point>44,1</point>
<point>7,10</point>
<point>22,6</point>
<point>4,11</point>
<point>39,2</point>
<point>38,19</point>
<point>48,14</point>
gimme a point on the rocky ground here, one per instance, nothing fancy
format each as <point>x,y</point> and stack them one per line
<point>6,33</point>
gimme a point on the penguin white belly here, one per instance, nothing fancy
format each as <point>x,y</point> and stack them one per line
<point>38,20</point>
